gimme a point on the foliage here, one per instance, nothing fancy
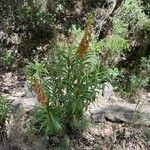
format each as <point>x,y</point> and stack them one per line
<point>127,20</point>
<point>115,44</point>
<point>131,12</point>
<point>128,31</point>
<point>145,66</point>
<point>4,109</point>
<point>129,83</point>
<point>32,26</point>
<point>137,83</point>
<point>69,85</point>
<point>129,87</point>
<point>33,15</point>
<point>50,120</point>
<point>7,59</point>
<point>66,80</point>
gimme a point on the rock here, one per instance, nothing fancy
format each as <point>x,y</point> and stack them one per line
<point>24,102</point>
<point>148,95</point>
<point>28,91</point>
<point>120,112</point>
<point>107,90</point>
<point>6,90</point>
<point>116,99</point>
<point>20,94</point>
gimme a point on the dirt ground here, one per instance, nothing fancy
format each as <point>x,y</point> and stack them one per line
<point>21,135</point>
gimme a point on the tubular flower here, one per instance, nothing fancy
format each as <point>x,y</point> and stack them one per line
<point>41,96</point>
<point>84,44</point>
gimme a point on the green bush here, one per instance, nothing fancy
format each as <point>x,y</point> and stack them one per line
<point>7,59</point>
<point>4,109</point>
<point>69,84</point>
<point>4,115</point>
<point>131,85</point>
<point>123,48</point>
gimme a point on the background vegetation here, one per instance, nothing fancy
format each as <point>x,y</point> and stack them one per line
<point>70,48</point>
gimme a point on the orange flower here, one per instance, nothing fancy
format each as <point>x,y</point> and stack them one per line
<point>84,44</point>
<point>40,93</point>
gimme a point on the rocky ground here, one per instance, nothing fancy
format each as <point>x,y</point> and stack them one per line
<point>114,123</point>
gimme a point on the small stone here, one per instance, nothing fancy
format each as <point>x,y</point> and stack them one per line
<point>16,102</point>
<point>6,90</point>
<point>116,99</point>
<point>108,131</point>
<point>20,94</point>
<point>98,118</point>
<point>148,97</point>
<point>107,90</point>
<point>28,91</point>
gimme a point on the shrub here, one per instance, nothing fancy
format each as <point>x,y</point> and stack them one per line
<point>4,108</point>
<point>4,114</point>
<point>7,59</point>
<point>67,84</point>
<point>37,26</point>
<point>131,85</point>
<point>124,46</point>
